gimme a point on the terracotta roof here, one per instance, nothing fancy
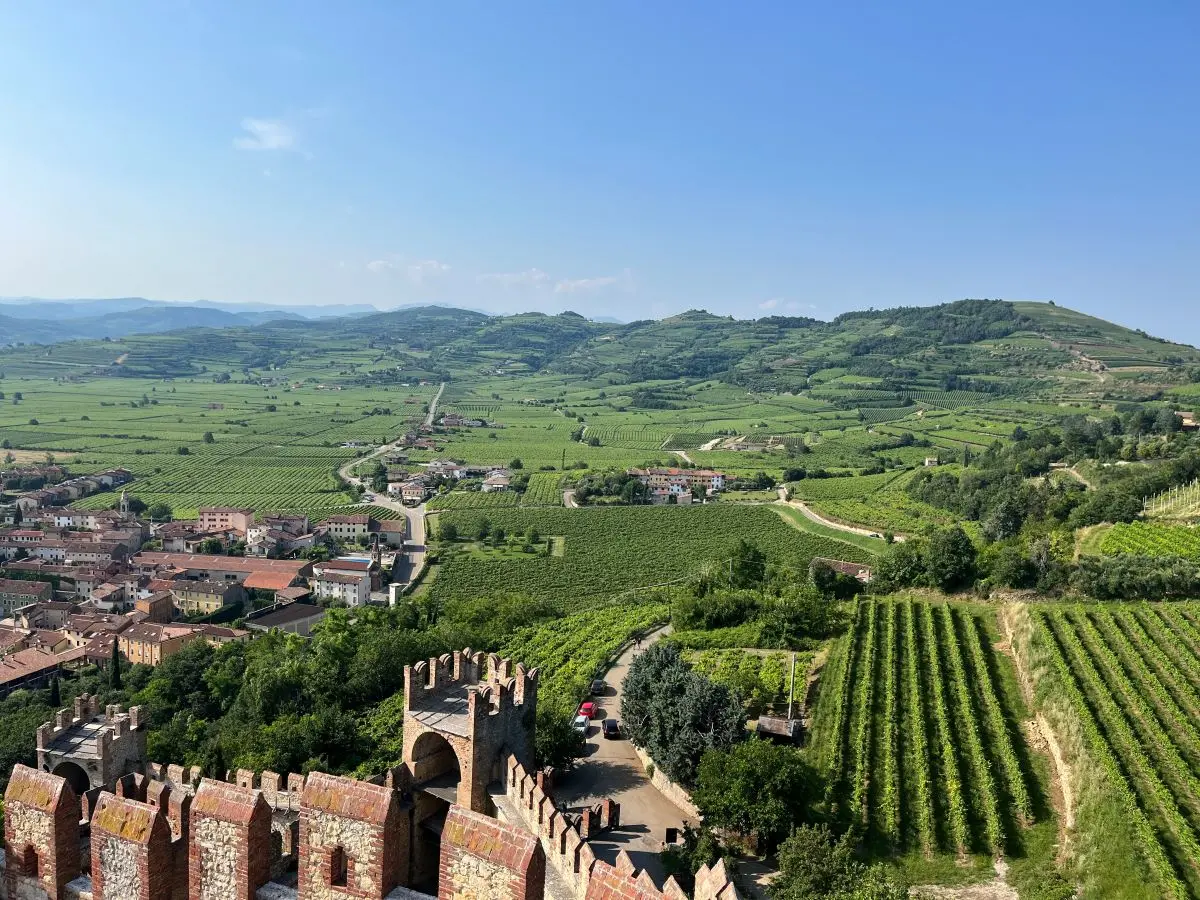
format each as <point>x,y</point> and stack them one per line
<point>348,520</point>
<point>219,563</point>
<point>40,790</point>
<point>229,803</point>
<point>343,578</point>
<point>154,633</point>
<point>347,565</point>
<point>11,636</point>
<point>348,798</point>
<point>23,663</point>
<point>35,590</point>
<point>269,581</point>
<point>126,819</point>
<point>292,593</point>
<point>393,525</point>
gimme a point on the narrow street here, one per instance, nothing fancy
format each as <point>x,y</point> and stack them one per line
<point>415,537</point>
<point>612,769</point>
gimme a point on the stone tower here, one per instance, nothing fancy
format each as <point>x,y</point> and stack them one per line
<point>92,749</point>
<point>461,720</point>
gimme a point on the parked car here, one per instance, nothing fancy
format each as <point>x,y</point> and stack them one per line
<point>588,709</point>
<point>598,687</point>
<point>580,724</point>
<point>611,729</point>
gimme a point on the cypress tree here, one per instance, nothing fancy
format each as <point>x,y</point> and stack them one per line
<point>114,674</point>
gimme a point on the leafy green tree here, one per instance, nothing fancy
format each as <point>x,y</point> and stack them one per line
<point>159,512</point>
<point>902,566</point>
<point>755,788</point>
<point>815,865</point>
<point>950,561</point>
<point>697,847</point>
<point>448,531</point>
<point>114,672</point>
<point>797,615</point>
<point>677,715</point>
<point>208,438</point>
<point>556,743</point>
<point>748,565</point>
<point>212,546</point>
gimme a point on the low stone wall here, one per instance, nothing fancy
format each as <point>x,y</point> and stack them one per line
<point>667,787</point>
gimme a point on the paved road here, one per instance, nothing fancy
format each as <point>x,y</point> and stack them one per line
<point>612,769</point>
<point>434,403</point>
<point>414,514</point>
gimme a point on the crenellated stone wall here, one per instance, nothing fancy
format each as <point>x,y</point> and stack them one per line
<point>166,833</point>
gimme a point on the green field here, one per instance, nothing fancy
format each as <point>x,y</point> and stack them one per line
<point>919,734</point>
<point>613,550</point>
<point>1152,539</point>
<point>1132,677</point>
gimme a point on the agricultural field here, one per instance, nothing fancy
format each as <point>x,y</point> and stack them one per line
<point>761,678</point>
<point>1177,503</point>
<point>571,651</point>
<point>192,444</point>
<point>473,500</point>
<point>1152,539</point>
<point>612,550</point>
<point>917,727</point>
<point>1132,676</point>
<point>872,501</point>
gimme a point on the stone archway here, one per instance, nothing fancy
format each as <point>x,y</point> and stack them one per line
<point>436,775</point>
<point>433,757</point>
<point>75,776</point>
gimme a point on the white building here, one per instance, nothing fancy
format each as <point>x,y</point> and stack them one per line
<point>352,589</point>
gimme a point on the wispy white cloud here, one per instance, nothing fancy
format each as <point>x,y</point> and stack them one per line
<point>588,285</point>
<point>426,269</point>
<point>418,272</point>
<point>266,134</point>
<point>528,278</point>
<point>769,304</point>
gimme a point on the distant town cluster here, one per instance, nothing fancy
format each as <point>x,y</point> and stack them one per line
<point>78,586</point>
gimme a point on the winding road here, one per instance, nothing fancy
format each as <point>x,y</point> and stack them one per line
<point>414,514</point>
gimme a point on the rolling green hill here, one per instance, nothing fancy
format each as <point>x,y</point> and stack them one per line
<point>980,346</point>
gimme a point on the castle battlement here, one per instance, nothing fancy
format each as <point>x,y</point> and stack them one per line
<point>91,748</point>
<point>462,815</point>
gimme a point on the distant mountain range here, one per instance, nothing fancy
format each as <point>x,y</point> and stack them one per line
<point>31,320</point>
<point>971,346</point>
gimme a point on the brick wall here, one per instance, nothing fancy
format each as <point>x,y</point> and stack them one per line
<point>132,853</point>
<point>485,858</point>
<point>230,852</point>
<point>350,839</point>
<point>41,833</point>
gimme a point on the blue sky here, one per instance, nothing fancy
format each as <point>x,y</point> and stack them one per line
<point>622,158</point>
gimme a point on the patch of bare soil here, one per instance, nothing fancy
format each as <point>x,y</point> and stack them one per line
<point>996,889</point>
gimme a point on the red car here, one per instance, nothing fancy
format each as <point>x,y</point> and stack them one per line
<point>588,709</point>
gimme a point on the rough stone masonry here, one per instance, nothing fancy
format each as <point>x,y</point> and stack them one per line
<point>430,826</point>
